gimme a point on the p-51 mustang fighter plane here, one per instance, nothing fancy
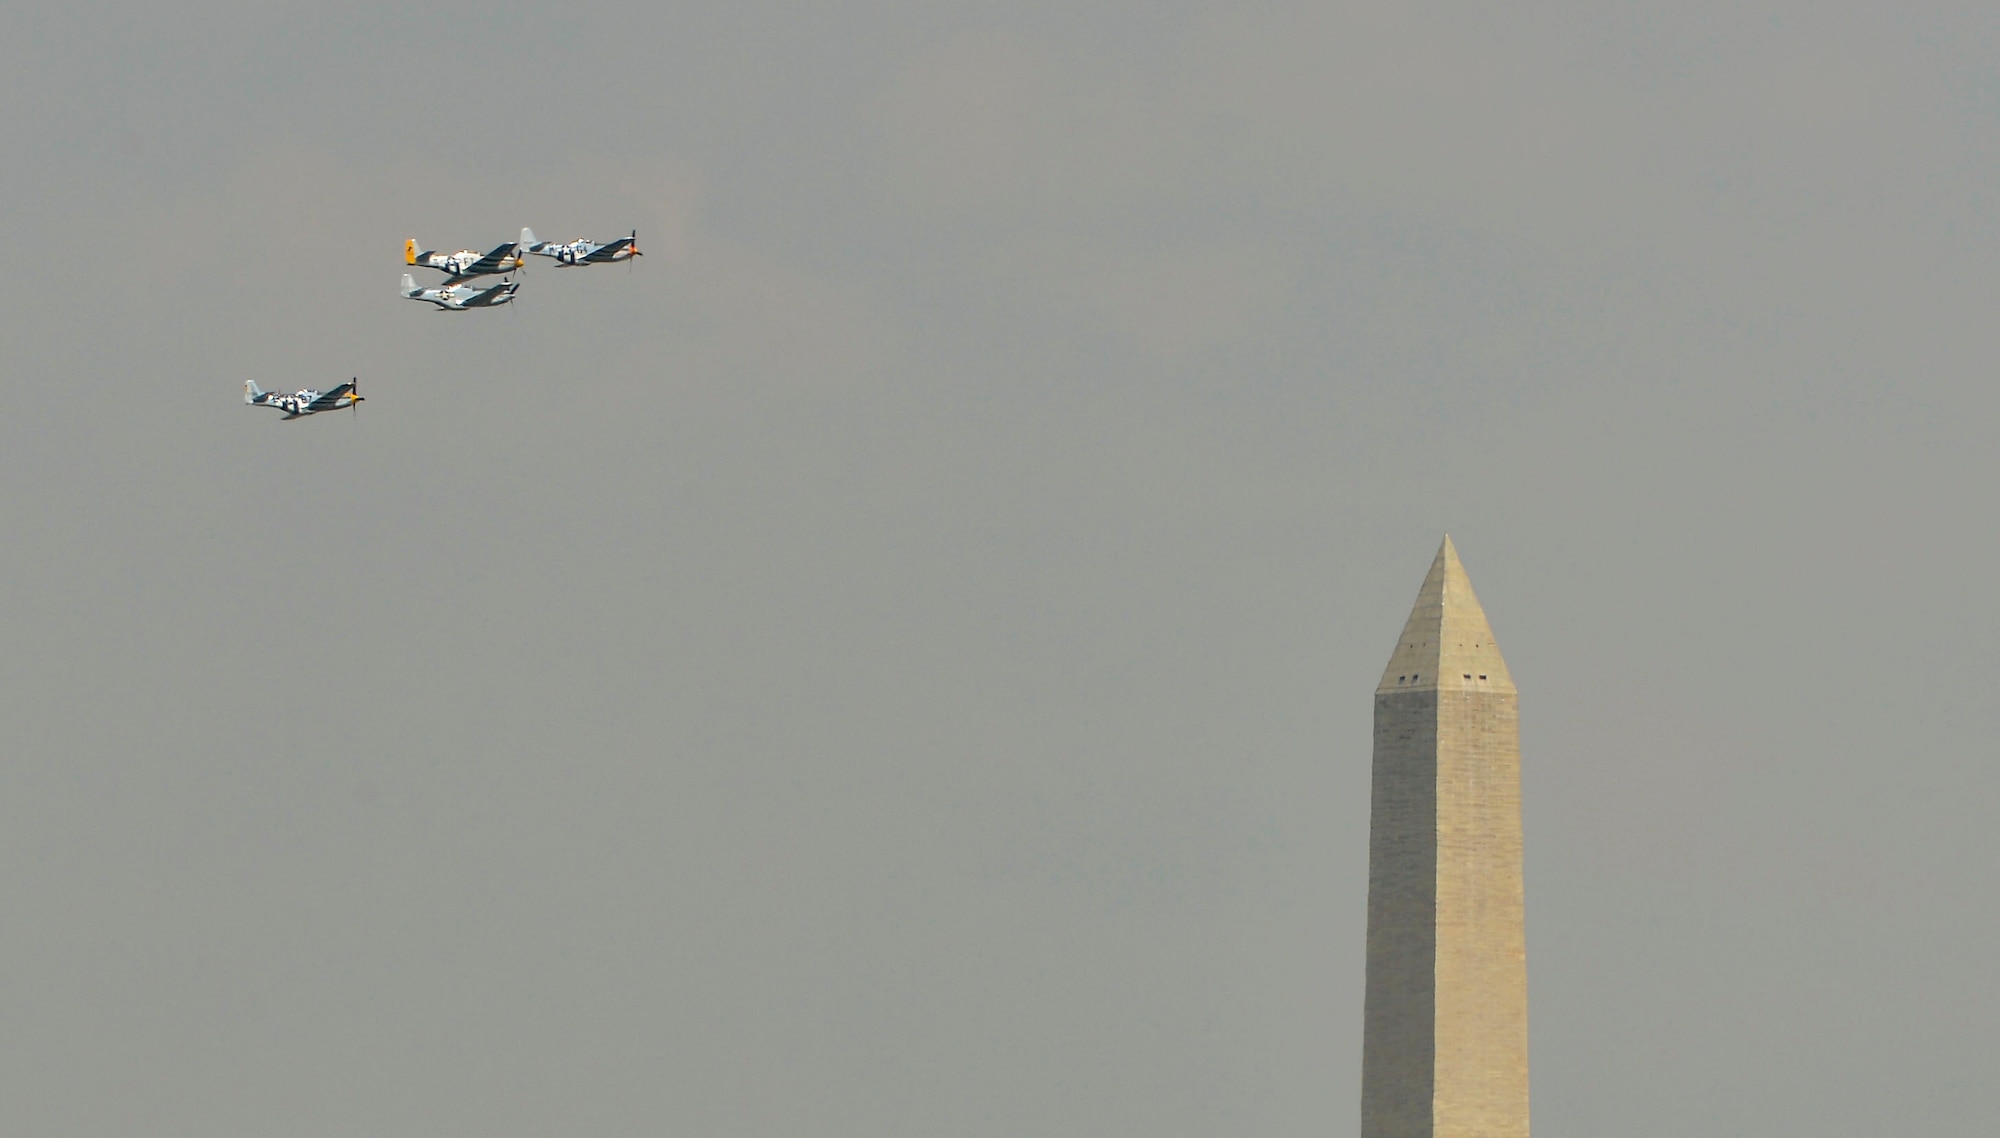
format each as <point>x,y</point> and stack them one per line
<point>582,251</point>
<point>464,264</point>
<point>307,402</point>
<point>459,297</point>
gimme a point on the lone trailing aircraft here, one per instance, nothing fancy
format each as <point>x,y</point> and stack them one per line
<point>307,402</point>
<point>458,297</point>
<point>582,251</point>
<point>465,263</point>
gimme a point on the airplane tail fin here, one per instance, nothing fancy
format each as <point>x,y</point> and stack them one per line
<point>410,285</point>
<point>410,251</point>
<point>251,392</point>
<point>528,241</point>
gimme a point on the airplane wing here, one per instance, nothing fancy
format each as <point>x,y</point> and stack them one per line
<point>488,297</point>
<point>499,259</point>
<point>606,252</point>
<point>328,400</point>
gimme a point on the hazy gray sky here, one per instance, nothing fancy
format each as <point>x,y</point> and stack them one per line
<point>897,661</point>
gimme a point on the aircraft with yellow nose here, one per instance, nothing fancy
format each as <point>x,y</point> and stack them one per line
<point>465,264</point>
<point>305,402</point>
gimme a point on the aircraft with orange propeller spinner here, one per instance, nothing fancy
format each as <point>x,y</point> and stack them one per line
<point>304,402</point>
<point>582,251</point>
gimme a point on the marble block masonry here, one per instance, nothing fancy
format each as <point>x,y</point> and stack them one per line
<point>1445,1036</point>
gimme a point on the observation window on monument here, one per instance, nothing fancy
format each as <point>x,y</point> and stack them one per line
<point>1468,676</point>
<point>1482,677</point>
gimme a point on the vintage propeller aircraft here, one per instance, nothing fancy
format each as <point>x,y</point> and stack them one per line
<point>460,297</point>
<point>582,251</point>
<point>307,402</point>
<point>465,264</point>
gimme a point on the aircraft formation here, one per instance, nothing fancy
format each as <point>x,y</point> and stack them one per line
<point>457,293</point>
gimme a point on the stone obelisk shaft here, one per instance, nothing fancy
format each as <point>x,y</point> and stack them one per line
<point>1445,1044</point>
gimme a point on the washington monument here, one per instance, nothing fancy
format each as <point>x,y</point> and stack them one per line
<point>1445,1041</point>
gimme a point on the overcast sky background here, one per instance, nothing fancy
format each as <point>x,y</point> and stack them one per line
<point>897,661</point>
